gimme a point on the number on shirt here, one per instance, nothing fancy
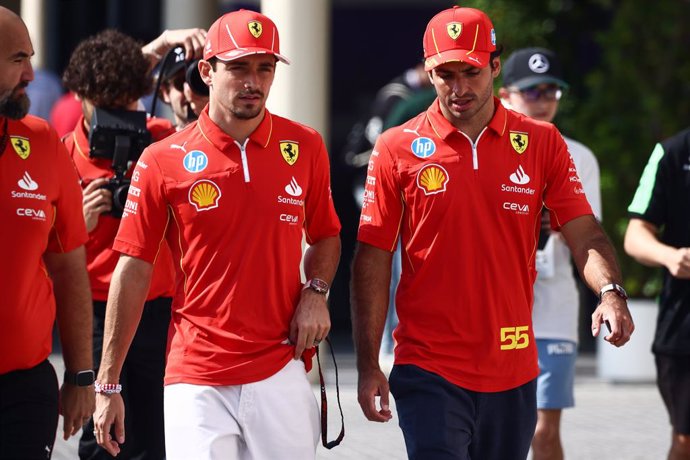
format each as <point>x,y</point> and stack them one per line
<point>514,338</point>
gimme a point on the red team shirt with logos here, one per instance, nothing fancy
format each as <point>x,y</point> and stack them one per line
<point>234,216</point>
<point>468,216</point>
<point>100,257</point>
<point>40,205</point>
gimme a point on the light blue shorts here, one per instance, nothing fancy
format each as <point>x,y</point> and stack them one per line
<point>556,373</point>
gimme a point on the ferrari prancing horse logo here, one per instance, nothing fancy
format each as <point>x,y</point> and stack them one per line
<point>255,28</point>
<point>454,29</point>
<point>519,141</point>
<point>290,151</point>
<point>21,145</point>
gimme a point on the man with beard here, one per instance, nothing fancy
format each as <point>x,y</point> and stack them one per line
<point>233,194</point>
<point>43,270</point>
<point>182,88</point>
<point>462,185</point>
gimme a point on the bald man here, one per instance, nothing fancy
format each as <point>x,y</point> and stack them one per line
<point>43,268</point>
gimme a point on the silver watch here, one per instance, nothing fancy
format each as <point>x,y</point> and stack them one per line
<point>616,288</point>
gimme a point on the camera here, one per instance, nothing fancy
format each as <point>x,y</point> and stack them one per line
<point>120,135</point>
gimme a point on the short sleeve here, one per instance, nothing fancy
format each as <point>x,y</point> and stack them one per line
<point>69,229</point>
<point>650,197</point>
<point>321,218</point>
<point>382,208</point>
<point>145,218</point>
<point>564,194</point>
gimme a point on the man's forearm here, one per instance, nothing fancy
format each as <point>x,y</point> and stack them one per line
<point>592,252</point>
<point>74,309</point>
<point>321,259</point>
<point>371,276</point>
<point>126,297</point>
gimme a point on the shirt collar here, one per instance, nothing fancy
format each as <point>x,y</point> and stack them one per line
<point>220,139</point>
<point>443,128</point>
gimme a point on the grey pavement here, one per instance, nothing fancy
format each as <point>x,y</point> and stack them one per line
<point>617,421</point>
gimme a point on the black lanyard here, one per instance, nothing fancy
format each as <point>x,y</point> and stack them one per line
<point>324,403</point>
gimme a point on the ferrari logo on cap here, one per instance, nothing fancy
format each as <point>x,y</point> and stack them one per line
<point>290,151</point>
<point>255,28</point>
<point>454,29</point>
<point>21,145</point>
<point>519,141</point>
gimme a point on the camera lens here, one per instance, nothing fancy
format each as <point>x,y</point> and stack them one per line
<point>120,198</point>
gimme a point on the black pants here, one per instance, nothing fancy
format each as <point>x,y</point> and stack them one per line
<point>442,421</point>
<point>142,386</point>
<point>28,413</point>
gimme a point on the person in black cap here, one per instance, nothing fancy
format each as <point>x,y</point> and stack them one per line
<point>181,87</point>
<point>533,85</point>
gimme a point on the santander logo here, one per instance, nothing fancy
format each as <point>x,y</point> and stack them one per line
<point>519,177</point>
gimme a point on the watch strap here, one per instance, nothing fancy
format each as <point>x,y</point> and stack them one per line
<point>80,378</point>
<point>615,288</point>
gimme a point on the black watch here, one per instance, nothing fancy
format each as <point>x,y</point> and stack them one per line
<point>615,288</point>
<point>81,378</point>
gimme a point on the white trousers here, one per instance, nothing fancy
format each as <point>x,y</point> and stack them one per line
<point>276,418</point>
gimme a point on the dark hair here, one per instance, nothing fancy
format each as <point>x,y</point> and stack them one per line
<point>495,54</point>
<point>109,70</point>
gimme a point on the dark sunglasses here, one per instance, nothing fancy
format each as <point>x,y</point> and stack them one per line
<point>178,82</point>
<point>552,93</point>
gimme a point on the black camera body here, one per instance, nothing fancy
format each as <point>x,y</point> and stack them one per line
<point>120,135</point>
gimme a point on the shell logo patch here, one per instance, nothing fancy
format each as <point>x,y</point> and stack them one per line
<point>290,151</point>
<point>204,195</point>
<point>519,141</point>
<point>454,29</point>
<point>432,179</point>
<point>255,28</point>
<point>21,145</point>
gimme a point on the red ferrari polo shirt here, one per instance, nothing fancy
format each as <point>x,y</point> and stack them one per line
<point>234,216</point>
<point>40,209</point>
<point>468,215</point>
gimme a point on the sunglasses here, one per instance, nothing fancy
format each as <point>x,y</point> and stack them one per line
<point>177,81</point>
<point>552,93</point>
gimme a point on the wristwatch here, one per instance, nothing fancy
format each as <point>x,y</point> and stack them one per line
<point>80,378</point>
<point>616,288</point>
<point>318,285</point>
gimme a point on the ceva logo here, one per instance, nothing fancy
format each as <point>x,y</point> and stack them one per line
<point>35,214</point>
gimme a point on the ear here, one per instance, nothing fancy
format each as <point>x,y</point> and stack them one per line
<point>205,71</point>
<point>495,66</point>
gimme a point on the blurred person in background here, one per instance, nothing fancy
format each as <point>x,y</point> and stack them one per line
<point>43,269</point>
<point>658,235</point>
<point>111,71</point>
<point>533,85</point>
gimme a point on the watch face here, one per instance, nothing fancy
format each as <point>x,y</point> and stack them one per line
<point>318,285</point>
<point>85,378</point>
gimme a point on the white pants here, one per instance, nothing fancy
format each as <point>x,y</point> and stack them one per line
<point>276,418</point>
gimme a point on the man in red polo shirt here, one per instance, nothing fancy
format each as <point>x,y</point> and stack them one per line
<point>43,268</point>
<point>233,195</point>
<point>462,186</point>
<point>110,71</point>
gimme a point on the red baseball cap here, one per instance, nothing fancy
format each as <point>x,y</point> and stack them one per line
<point>460,35</point>
<point>241,33</point>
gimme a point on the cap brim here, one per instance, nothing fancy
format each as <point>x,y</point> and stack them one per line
<point>535,80</point>
<point>475,58</point>
<point>242,52</point>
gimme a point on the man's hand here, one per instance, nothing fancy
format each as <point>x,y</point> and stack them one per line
<point>678,264</point>
<point>96,201</point>
<point>110,410</point>
<point>192,39</point>
<point>613,311</point>
<point>76,406</point>
<point>311,321</point>
<point>373,383</point>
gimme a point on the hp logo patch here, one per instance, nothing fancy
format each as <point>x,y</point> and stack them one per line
<point>195,161</point>
<point>423,147</point>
